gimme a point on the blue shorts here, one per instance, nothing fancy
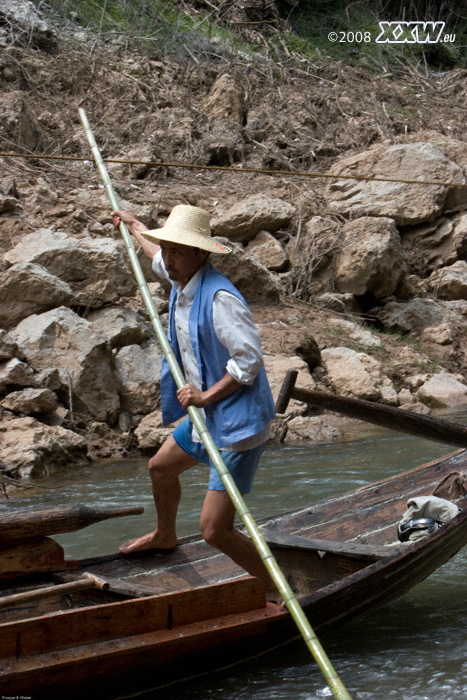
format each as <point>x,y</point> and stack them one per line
<point>241,465</point>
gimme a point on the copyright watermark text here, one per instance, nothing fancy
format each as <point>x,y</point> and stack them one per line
<point>411,33</point>
<point>398,33</point>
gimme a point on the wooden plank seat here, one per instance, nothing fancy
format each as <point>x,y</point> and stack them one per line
<point>354,550</point>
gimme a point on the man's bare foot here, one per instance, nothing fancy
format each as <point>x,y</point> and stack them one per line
<point>151,541</point>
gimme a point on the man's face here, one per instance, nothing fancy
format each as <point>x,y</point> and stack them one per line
<point>182,261</point>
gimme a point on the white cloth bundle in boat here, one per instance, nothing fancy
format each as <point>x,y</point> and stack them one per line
<point>424,515</point>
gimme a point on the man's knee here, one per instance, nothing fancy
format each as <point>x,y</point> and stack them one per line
<point>217,519</point>
<point>158,468</point>
<point>213,534</point>
<point>169,462</point>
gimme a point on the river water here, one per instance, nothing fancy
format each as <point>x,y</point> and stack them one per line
<point>411,649</point>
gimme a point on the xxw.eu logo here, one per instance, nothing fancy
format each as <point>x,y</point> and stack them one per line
<point>413,33</point>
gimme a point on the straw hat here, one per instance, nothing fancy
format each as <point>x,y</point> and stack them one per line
<point>187,225</point>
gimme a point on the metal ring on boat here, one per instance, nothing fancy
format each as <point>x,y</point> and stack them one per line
<point>406,529</point>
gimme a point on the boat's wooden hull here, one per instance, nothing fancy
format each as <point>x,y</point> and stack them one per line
<point>127,646</point>
<point>341,555</point>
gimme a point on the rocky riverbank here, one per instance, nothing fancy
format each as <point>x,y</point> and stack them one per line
<point>358,282</point>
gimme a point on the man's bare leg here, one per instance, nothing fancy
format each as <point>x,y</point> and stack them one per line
<point>164,468</point>
<point>217,527</point>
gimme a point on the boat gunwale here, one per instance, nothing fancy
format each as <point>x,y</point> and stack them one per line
<point>444,462</point>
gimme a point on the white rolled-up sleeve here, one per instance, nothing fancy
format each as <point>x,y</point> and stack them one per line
<point>235,329</point>
<point>158,266</point>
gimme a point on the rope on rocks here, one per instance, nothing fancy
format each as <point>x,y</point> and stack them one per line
<point>230,169</point>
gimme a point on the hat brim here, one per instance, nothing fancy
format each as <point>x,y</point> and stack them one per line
<point>190,238</point>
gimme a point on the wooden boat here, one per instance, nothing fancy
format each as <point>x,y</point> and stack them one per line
<point>120,625</point>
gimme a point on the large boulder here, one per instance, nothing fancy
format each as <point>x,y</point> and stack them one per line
<point>417,314</point>
<point>450,282</point>
<point>451,147</point>
<point>121,326</point>
<point>310,429</point>
<point>151,432</point>
<point>31,401</point>
<point>27,288</point>
<point>340,303</point>
<point>357,374</point>
<point>29,448</point>
<point>61,339</point>
<point>405,203</point>
<point>268,251</point>
<point>436,244</point>
<point>97,270</point>
<point>15,373</point>
<point>139,372</point>
<point>370,259</point>
<point>443,390</point>
<point>245,220</point>
<point>251,278</point>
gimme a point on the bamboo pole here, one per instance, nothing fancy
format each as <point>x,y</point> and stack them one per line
<point>337,687</point>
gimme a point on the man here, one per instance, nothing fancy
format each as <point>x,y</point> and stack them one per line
<point>212,333</point>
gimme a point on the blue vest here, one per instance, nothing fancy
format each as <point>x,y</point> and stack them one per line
<point>246,411</point>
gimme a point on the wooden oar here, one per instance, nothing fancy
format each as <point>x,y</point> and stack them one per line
<point>17,527</point>
<point>87,581</point>
<point>126,588</point>
<point>380,414</point>
<point>337,687</point>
